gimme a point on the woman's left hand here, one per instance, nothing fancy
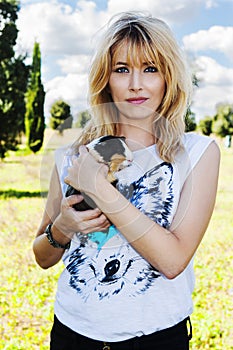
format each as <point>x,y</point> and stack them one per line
<point>85,172</point>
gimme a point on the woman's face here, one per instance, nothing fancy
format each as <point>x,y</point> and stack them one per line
<point>137,90</point>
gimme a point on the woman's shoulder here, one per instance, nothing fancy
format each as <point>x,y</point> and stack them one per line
<point>195,146</point>
<point>196,143</point>
<point>62,152</point>
<point>191,139</point>
<point>63,157</point>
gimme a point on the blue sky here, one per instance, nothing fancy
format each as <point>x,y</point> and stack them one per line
<point>65,30</point>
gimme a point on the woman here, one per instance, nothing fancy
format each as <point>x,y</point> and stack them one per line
<point>129,285</point>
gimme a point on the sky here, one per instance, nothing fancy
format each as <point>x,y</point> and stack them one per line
<point>67,31</point>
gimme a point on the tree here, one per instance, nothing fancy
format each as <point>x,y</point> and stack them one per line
<point>82,119</point>
<point>60,118</point>
<point>223,121</point>
<point>190,123</point>
<point>13,80</point>
<point>8,30</point>
<point>34,117</point>
<point>205,125</point>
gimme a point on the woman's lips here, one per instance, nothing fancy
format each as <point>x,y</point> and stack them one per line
<point>137,101</point>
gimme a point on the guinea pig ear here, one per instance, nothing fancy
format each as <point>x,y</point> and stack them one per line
<point>110,177</point>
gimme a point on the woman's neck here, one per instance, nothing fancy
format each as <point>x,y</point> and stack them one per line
<point>136,137</point>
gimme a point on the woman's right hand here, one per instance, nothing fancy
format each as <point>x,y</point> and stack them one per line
<point>66,221</point>
<point>70,221</point>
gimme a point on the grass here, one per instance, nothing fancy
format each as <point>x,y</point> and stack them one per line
<point>213,296</point>
<point>27,292</point>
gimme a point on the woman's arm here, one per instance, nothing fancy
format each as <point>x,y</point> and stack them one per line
<point>66,221</point>
<point>169,251</point>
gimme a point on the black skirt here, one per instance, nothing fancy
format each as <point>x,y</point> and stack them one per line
<point>173,338</point>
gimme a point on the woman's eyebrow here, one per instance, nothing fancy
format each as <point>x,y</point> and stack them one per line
<point>146,63</point>
<point>121,63</point>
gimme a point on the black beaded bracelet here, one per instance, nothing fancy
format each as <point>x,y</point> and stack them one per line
<point>52,241</point>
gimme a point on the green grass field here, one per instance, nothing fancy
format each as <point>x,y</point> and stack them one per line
<point>27,292</point>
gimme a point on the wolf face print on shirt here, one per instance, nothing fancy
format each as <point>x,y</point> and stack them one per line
<point>108,273</point>
<point>105,265</point>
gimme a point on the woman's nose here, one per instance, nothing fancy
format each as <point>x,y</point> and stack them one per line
<point>135,83</point>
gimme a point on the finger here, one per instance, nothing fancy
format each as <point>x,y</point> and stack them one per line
<point>74,199</point>
<point>68,202</point>
<point>94,224</point>
<point>67,180</point>
<point>104,219</point>
<point>87,229</point>
<point>74,159</point>
<point>100,222</point>
<point>89,214</point>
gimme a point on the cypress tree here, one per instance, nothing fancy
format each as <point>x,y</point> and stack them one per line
<point>34,117</point>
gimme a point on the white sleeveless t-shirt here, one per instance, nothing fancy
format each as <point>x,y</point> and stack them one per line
<point>107,291</point>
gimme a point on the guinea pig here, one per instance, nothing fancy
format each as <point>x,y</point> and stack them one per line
<point>112,151</point>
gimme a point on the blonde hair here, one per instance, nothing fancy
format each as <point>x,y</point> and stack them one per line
<point>155,42</point>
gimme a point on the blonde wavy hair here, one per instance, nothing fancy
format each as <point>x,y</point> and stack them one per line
<point>151,40</point>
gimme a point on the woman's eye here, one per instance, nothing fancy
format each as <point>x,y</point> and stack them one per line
<point>151,69</point>
<point>121,70</point>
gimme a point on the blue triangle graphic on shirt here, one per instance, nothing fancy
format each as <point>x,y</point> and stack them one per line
<point>101,238</point>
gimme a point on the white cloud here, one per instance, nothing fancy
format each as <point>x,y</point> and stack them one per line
<point>216,38</point>
<point>58,28</point>
<point>76,64</point>
<point>215,87</point>
<point>216,84</point>
<point>212,72</point>
<point>71,88</point>
<point>61,29</point>
<point>172,11</point>
<point>207,97</point>
<point>211,3</point>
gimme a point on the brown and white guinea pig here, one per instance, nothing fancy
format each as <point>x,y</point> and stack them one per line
<point>112,151</point>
